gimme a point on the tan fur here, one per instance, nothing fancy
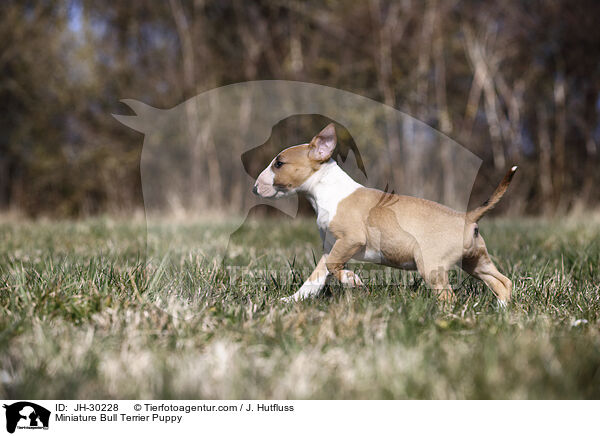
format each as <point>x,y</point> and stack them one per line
<point>299,163</point>
<point>347,277</point>
<point>397,230</point>
<point>296,169</point>
<point>474,215</point>
<point>409,230</point>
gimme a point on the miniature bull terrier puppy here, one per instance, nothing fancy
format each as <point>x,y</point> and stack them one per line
<point>369,225</point>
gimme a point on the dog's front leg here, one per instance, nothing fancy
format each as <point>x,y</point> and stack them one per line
<point>315,283</point>
<point>342,252</point>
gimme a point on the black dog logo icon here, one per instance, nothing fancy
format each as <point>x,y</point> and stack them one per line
<point>26,415</point>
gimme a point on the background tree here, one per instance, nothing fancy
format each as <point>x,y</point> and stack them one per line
<point>513,81</point>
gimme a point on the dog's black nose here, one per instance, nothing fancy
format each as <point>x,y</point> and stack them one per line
<point>255,190</point>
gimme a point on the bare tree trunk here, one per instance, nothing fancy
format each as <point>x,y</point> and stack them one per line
<point>383,62</point>
<point>545,162</point>
<point>513,99</point>
<point>424,62</point>
<point>445,122</point>
<point>253,41</point>
<point>198,135</point>
<point>559,140</point>
<point>472,103</point>
<point>490,100</point>
<point>420,109</point>
<point>5,182</point>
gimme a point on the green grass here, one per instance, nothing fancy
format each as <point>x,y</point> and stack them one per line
<point>85,314</point>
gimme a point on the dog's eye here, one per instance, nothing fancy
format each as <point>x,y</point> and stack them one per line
<point>278,164</point>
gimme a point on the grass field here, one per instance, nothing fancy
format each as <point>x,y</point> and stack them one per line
<point>80,317</point>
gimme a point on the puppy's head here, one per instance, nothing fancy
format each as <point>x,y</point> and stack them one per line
<point>294,165</point>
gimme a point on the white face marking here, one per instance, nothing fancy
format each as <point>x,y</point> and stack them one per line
<point>264,183</point>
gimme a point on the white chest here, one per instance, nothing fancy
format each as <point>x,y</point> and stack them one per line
<point>326,188</point>
<point>325,214</point>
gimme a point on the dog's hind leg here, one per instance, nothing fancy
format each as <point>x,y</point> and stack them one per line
<point>435,275</point>
<point>477,262</point>
<point>438,280</point>
<point>484,269</point>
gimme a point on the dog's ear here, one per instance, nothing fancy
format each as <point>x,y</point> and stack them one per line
<point>321,147</point>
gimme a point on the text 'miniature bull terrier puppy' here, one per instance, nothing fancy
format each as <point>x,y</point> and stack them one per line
<point>366,224</point>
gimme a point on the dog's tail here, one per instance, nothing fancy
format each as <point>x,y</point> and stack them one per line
<point>475,214</point>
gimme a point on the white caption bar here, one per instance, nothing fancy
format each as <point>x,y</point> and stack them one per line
<point>298,417</point>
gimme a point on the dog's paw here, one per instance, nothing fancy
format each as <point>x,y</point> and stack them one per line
<point>348,278</point>
<point>307,290</point>
<point>294,298</point>
<point>446,296</point>
<point>502,304</point>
